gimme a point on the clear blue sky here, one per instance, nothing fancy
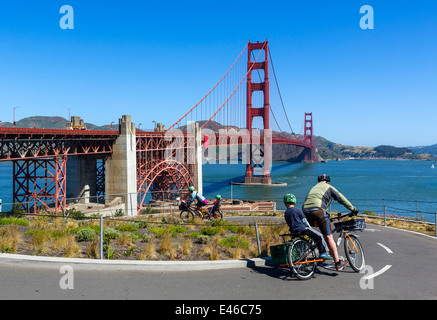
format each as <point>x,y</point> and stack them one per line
<point>155,59</point>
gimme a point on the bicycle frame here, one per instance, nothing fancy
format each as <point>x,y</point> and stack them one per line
<point>289,242</point>
<point>343,234</point>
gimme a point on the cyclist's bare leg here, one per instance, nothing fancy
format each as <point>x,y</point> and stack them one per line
<point>332,247</point>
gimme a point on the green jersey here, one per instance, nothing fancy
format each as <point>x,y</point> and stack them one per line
<point>321,195</point>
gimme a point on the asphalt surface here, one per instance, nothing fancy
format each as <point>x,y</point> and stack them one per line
<point>401,265</point>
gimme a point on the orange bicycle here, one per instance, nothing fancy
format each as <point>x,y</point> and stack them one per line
<point>202,212</point>
<point>299,252</point>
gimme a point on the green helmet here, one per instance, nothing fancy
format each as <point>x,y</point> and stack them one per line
<point>289,198</point>
<point>218,196</point>
<point>191,188</point>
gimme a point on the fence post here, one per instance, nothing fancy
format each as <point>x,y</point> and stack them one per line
<point>101,237</point>
<point>257,239</point>
<point>385,215</point>
<point>435,224</point>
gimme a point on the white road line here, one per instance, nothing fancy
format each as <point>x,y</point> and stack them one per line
<point>371,230</point>
<point>377,273</point>
<point>387,249</point>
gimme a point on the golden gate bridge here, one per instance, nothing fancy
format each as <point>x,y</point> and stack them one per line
<point>49,165</point>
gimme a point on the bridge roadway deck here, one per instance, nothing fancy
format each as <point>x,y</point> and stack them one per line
<point>28,143</point>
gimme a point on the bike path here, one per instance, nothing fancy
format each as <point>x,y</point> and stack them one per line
<point>411,275</point>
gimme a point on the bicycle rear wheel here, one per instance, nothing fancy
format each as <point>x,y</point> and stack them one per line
<point>301,258</point>
<point>354,252</point>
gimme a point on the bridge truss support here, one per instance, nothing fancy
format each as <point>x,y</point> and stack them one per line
<point>40,183</point>
<point>165,165</point>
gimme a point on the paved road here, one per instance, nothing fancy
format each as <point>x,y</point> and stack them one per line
<point>404,266</point>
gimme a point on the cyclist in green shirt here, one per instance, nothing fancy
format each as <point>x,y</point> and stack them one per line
<point>316,203</point>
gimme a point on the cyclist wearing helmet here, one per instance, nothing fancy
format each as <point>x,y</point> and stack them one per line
<point>216,205</point>
<point>297,223</point>
<point>195,195</point>
<point>316,203</point>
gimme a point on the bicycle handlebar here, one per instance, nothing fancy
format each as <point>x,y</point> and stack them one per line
<point>341,215</point>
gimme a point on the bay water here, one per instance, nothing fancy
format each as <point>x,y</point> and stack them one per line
<point>402,187</point>
<point>405,188</point>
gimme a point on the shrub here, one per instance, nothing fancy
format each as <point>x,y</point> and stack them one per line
<point>159,231</point>
<point>209,231</point>
<point>119,213</point>
<point>86,234</point>
<point>234,242</point>
<point>142,224</point>
<point>110,234</point>
<point>17,210</point>
<point>127,226</point>
<point>173,231</point>
<point>20,222</point>
<point>177,229</point>
<point>193,235</point>
<point>202,239</point>
<point>75,214</point>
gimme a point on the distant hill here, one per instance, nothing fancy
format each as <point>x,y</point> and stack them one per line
<point>45,122</point>
<point>432,149</point>
<point>330,150</point>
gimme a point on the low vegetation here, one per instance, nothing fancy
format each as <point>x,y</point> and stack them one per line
<point>163,237</point>
<point>145,238</point>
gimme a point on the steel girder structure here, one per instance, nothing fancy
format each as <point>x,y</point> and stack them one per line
<point>39,159</point>
<point>165,165</point>
<point>21,149</point>
<point>40,183</point>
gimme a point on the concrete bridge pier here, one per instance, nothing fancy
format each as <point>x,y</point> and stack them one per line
<point>121,167</point>
<point>82,178</point>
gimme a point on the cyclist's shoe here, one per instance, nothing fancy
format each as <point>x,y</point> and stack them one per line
<point>325,256</point>
<point>340,265</point>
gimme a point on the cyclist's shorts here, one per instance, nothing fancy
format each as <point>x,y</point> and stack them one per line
<point>319,218</point>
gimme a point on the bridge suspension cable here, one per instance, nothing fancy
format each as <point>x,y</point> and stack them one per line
<point>242,80</point>
<point>279,92</point>
<point>208,94</point>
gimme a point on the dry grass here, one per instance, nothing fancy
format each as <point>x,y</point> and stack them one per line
<point>72,248</point>
<point>10,239</point>
<point>40,240</point>
<point>148,252</point>
<point>420,227</point>
<point>166,245</point>
<point>186,245</point>
<point>93,250</point>
<point>125,239</point>
<point>210,251</point>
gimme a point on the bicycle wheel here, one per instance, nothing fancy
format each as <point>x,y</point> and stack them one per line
<point>354,252</point>
<point>186,215</point>
<point>217,216</point>
<point>300,256</point>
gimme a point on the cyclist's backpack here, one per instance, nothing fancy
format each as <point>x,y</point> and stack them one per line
<point>201,199</point>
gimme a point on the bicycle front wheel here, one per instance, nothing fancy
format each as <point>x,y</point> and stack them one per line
<point>186,215</point>
<point>354,252</point>
<point>302,259</point>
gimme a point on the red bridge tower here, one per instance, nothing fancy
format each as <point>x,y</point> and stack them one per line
<point>261,162</point>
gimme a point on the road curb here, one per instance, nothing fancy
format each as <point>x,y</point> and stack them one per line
<point>133,265</point>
